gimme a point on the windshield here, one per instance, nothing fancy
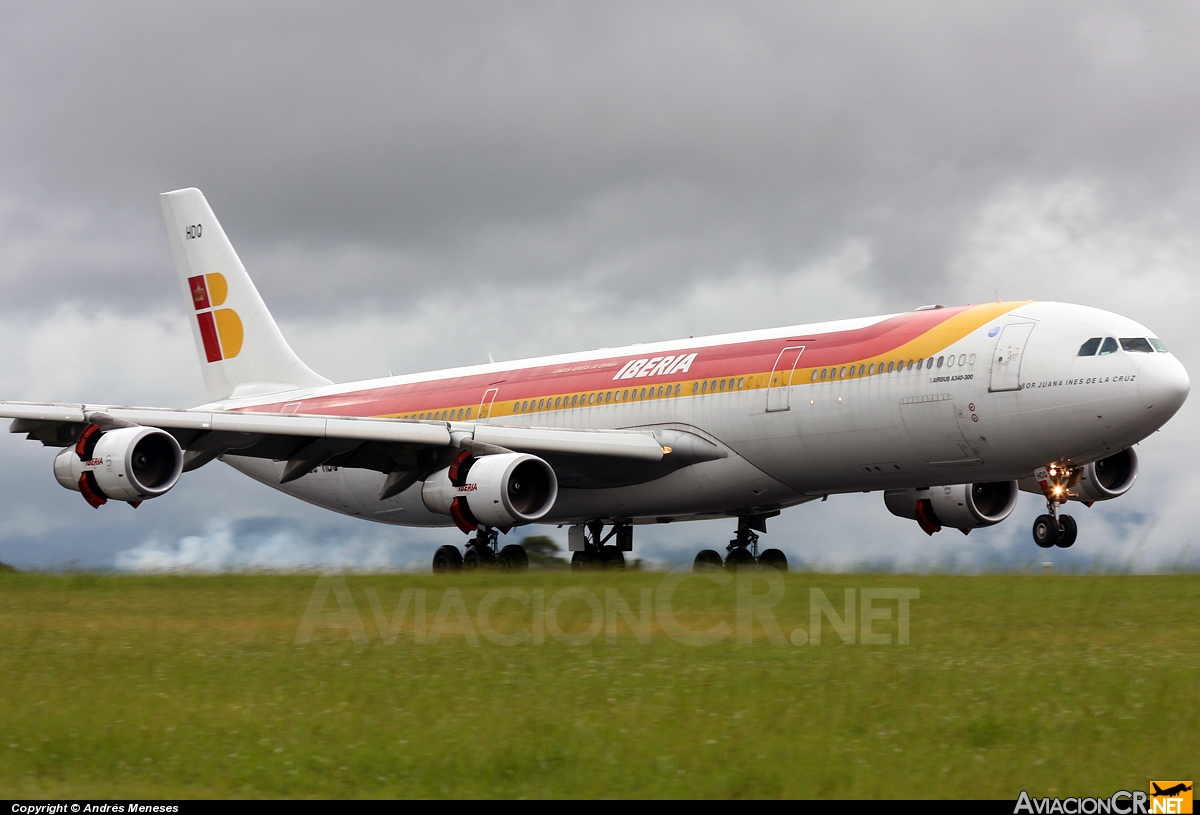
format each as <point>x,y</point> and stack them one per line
<point>1137,345</point>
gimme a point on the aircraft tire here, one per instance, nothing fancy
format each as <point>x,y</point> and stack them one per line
<point>706,560</point>
<point>739,557</point>
<point>1068,531</point>
<point>447,559</point>
<point>513,558</point>
<point>1045,531</point>
<point>584,561</point>
<point>611,558</point>
<point>773,559</point>
<point>478,557</point>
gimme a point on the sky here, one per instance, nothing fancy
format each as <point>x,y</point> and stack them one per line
<point>417,185</point>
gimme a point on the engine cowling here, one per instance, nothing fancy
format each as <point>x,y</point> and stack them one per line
<point>501,490</point>
<point>1107,478</point>
<point>126,464</point>
<point>962,506</point>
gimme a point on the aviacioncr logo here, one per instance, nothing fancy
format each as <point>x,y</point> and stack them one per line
<point>220,328</point>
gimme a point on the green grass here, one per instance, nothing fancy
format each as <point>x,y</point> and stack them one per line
<point>194,686</point>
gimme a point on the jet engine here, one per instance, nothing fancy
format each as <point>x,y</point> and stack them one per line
<point>127,464</point>
<point>962,506</point>
<point>1107,478</point>
<point>500,490</point>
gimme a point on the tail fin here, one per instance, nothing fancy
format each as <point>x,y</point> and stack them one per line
<point>242,351</point>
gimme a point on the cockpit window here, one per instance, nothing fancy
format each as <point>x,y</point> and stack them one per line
<point>1089,348</point>
<point>1138,345</point>
<point>1158,345</point>
<point>1109,347</point>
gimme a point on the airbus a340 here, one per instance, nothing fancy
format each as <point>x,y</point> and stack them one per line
<point>949,412</point>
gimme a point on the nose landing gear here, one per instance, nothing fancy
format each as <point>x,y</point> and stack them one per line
<point>1054,528</point>
<point>742,552</point>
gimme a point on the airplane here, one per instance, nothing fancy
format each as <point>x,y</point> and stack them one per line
<point>1170,792</point>
<point>949,412</point>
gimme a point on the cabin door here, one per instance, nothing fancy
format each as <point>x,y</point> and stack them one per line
<point>779,387</point>
<point>1006,359</point>
<point>485,404</point>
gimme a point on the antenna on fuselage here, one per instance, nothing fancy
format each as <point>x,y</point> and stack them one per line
<point>997,293</point>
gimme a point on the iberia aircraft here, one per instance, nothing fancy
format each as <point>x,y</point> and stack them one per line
<point>949,412</point>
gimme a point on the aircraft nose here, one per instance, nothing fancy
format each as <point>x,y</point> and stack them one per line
<point>1163,384</point>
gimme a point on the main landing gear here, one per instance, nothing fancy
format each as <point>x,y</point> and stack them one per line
<point>591,549</point>
<point>483,551</point>
<point>742,552</point>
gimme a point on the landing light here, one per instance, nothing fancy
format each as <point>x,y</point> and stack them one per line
<point>666,450</point>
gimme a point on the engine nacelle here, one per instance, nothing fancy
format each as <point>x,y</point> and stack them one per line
<point>962,506</point>
<point>1107,478</point>
<point>126,464</point>
<point>502,490</point>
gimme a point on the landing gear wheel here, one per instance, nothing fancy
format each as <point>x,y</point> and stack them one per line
<point>513,558</point>
<point>773,559</point>
<point>1068,530</point>
<point>478,557</point>
<point>1045,531</point>
<point>584,561</point>
<point>739,557</point>
<point>706,560</point>
<point>611,558</point>
<point>447,559</point>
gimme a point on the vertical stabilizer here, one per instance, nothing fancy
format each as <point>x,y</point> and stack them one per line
<point>242,352</point>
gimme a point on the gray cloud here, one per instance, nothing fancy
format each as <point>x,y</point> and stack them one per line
<point>415,185</point>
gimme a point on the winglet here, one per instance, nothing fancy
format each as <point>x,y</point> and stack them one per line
<point>242,352</point>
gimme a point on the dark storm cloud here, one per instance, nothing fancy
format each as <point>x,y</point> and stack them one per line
<point>380,147</point>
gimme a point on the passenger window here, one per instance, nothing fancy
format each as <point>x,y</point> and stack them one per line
<point>929,363</point>
<point>469,412</point>
<point>695,385</point>
<point>891,366</point>
<point>1109,347</point>
<point>950,361</point>
<point>678,388</point>
<point>591,398</point>
<point>962,359</point>
<point>824,371</point>
<point>574,400</point>
<point>1137,345</point>
<point>1089,348</point>
<point>1158,345</point>
<point>862,369</point>
<point>722,384</point>
<point>940,361</point>
<point>660,390</point>
<point>971,360</point>
<point>741,382</point>
<point>871,369</point>
<point>608,396</point>
<point>814,376</point>
<point>920,364</point>
<point>842,374</point>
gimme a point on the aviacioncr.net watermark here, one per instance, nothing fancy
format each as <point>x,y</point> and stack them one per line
<point>577,615</point>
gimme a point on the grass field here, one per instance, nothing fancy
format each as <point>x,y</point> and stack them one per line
<point>195,686</point>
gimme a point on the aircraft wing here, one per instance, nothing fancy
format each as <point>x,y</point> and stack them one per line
<point>308,441</point>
